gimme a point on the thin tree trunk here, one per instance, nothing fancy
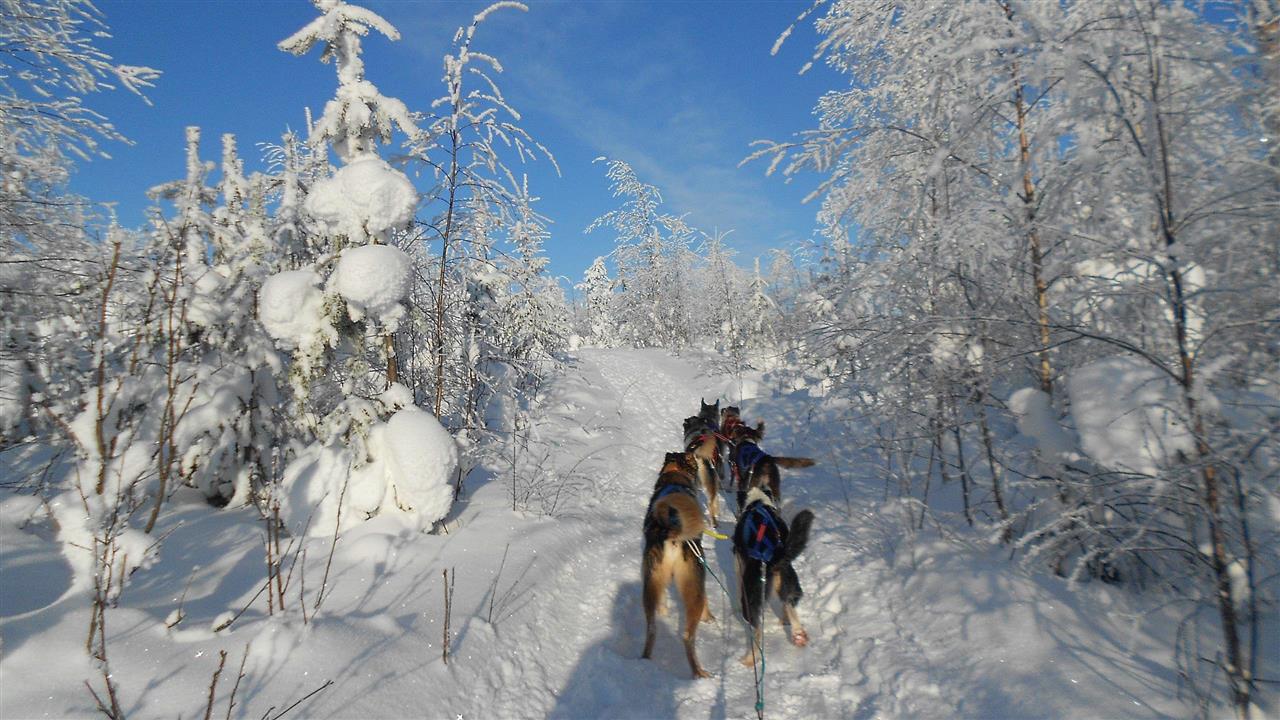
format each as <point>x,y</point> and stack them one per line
<point>964,475</point>
<point>1236,668</point>
<point>389,349</point>
<point>1040,287</point>
<point>998,494</point>
<point>444,256</point>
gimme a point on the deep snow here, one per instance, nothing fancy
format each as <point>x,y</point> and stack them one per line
<point>900,628</point>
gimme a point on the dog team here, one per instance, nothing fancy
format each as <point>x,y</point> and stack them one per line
<point>720,448</point>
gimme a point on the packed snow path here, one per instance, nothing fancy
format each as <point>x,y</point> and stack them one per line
<point>577,654</point>
<point>899,628</point>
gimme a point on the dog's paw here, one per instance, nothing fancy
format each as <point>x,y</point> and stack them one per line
<point>707,617</point>
<point>747,660</point>
<point>700,673</point>
<point>800,638</point>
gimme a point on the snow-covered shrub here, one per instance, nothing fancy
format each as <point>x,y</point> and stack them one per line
<point>422,464</point>
<point>405,465</point>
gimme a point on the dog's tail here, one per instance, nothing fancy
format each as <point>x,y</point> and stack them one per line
<point>674,517</point>
<point>797,535</point>
<point>792,462</point>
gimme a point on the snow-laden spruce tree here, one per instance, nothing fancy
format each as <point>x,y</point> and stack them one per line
<point>652,260</point>
<point>371,450</point>
<point>597,292</point>
<point>721,284</point>
<point>224,236</point>
<point>534,313</point>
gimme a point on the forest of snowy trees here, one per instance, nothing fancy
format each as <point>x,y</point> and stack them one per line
<point>1044,289</point>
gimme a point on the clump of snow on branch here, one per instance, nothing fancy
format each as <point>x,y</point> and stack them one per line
<point>952,346</point>
<point>1125,411</point>
<point>290,307</point>
<point>373,279</point>
<point>365,198</point>
<point>410,464</point>
<point>422,460</point>
<point>1033,411</point>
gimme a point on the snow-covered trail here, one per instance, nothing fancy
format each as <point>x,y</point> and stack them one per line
<point>900,630</point>
<point>575,653</point>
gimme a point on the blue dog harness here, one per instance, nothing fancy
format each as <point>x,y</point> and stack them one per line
<point>670,490</point>
<point>758,532</point>
<point>748,455</point>
<point>745,459</point>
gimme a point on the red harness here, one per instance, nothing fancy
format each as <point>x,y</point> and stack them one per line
<point>726,431</point>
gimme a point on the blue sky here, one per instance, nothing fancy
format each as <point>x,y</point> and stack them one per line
<point>677,89</point>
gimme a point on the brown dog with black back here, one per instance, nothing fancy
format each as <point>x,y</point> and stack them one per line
<point>673,529</point>
<point>702,438</point>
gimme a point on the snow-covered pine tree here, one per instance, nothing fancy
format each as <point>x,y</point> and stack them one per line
<point>721,287</point>
<point>597,291</point>
<point>535,321</point>
<point>371,449</point>
<point>653,266</point>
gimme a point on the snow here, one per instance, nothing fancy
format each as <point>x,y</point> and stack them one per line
<point>205,308</point>
<point>364,199</point>
<point>953,346</point>
<point>1128,414</point>
<point>422,464</point>
<point>373,279</point>
<point>290,307</point>
<point>547,619</point>
<point>14,392</point>
<point>409,470</point>
<point>1034,414</point>
<point>312,486</point>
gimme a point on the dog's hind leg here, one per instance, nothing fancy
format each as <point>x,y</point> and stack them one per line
<point>789,592</point>
<point>690,581</point>
<point>707,476</point>
<point>752,595</point>
<point>701,571</point>
<point>655,586</point>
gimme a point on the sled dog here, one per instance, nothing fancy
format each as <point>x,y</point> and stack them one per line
<point>763,548</point>
<point>753,467</point>
<point>673,529</point>
<point>701,440</point>
<point>709,413</point>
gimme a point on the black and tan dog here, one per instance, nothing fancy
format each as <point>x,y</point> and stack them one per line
<point>709,413</point>
<point>753,467</point>
<point>763,548</point>
<point>702,439</point>
<point>672,543</point>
